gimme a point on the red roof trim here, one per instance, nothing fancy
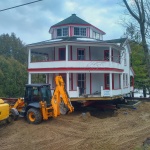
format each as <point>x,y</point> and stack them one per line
<point>74,69</point>
<point>77,25</point>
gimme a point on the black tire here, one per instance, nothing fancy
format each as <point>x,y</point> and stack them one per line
<point>34,116</point>
<point>10,119</point>
<point>14,114</point>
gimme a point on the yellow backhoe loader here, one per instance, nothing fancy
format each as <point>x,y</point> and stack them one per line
<point>38,103</point>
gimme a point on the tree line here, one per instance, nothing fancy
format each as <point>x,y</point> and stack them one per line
<point>13,66</point>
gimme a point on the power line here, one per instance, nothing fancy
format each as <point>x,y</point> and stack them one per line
<point>20,5</point>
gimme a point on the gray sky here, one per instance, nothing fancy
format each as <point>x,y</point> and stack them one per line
<point>31,23</point>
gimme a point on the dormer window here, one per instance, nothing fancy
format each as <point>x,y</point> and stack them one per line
<point>62,31</point>
<point>79,31</point>
<point>96,35</point>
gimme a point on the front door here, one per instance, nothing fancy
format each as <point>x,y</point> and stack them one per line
<point>81,83</point>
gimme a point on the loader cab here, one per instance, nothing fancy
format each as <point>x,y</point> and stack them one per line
<point>34,93</point>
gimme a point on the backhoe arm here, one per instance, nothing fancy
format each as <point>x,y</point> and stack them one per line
<point>60,92</point>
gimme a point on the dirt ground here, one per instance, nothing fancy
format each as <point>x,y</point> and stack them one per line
<point>125,129</point>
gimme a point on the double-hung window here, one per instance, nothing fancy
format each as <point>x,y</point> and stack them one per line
<point>80,54</point>
<point>62,31</point>
<point>81,31</point>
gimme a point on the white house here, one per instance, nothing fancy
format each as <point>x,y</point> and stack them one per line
<point>90,66</point>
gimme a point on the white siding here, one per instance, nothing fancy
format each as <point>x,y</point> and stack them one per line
<point>97,82</point>
<point>116,81</point>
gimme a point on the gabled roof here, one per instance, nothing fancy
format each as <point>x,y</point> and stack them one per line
<point>73,19</point>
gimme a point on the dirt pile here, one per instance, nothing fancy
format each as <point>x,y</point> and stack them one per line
<point>125,129</point>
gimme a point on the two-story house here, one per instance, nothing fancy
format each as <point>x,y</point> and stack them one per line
<point>91,67</point>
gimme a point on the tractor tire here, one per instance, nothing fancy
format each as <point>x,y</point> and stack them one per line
<point>10,119</point>
<point>34,116</point>
<point>14,114</point>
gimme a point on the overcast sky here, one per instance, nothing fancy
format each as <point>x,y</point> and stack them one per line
<point>31,23</point>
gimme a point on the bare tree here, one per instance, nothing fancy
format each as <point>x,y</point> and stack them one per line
<point>139,10</point>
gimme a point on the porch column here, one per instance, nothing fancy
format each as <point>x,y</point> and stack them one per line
<point>29,56</point>
<point>47,78</point>
<point>121,83</point>
<point>66,52</point>
<point>29,78</point>
<point>110,49</point>
<point>110,79</point>
<point>67,82</point>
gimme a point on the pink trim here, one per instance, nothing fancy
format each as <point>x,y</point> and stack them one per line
<point>54,53</point>
<point>89,53</point>
<point>105,77</point>
<point>113,81</point>
<point>90,83</point>
<point>71,81</point>
<point>78,25</point>
<point>112,55</point>
<point>70,52</point>
<point>74,69</point>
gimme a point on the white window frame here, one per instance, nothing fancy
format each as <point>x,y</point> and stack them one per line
<point>80,31</point>
<point>62,32</point>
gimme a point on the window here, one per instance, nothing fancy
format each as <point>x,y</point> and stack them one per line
<point>62,54</point>
<point>80,54</point>
<point>65,31</point>
<point>106,55</point>
<point>125,59</point>
<point>107,82</point>
<point>58,32</point>
<point>96,35</point>
<point>62,32</point>
<point>125,80</point>
<point>81,83</point>
<point>79,31</point>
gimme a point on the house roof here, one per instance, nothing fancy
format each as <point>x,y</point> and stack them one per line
<point>73,19</point>
<point>120,41</point>
<point>75,39</point>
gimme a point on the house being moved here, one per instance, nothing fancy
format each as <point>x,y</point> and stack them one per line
<point>90,66</point>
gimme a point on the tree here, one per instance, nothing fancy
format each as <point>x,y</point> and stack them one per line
<point>13,77</point>
<point>142,80</point>
<point>139,10</point>
<point>11,46</point>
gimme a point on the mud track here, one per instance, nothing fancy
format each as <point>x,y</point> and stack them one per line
<point>125,129</point>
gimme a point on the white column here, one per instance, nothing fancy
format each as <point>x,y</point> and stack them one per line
<point>66,52</point>
<point>29,56</point>
<point>110,53</point>
<point>67,82</point>
<point>121,78</point>
<point>110,82</point>
<point>47,78</point>
<point>29,78</point>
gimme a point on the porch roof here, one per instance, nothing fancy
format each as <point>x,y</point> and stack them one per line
<point>78,40</point>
